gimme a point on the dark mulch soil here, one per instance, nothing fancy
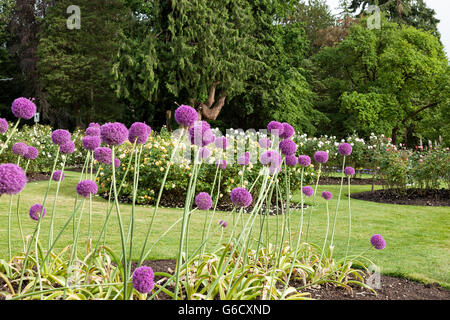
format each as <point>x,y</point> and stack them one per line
<point>391,288</point>
<point>355,181</point>
<point>421,197</point>
<point>38,176</point>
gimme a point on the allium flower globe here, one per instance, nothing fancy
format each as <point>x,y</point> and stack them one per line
<point>93,131</point>
<point>37,212</point>
<point>276,128</point>
<point>94,125</point>
<point>203,201</point>
<point>205,153</point>
<point>86,187</point>
<point>103,155</point>
<point>223,224</point>
<point>321,156</point>
<point>291,161</point>
<point>32,153</point>
<point>143,279</point>
<point>308,191</point>
<point>200,134</point>
<point>60,137</point>
<point>304,160</point>
<point>20,149</point>
<point>221,143</point>
<point>288,131</point>
<point>349,171</point>
<point>345,149</point>
<point>265,143</point>
<point>91,142</point>
<point>3,126</point>
<point>244,159</point>
<point>67,148</point>
<point>241,197</point>
<point>113,133</point>
<point>327,195</point>
<point>12,179</point>
<point>378,242</point>
<point>139,132</point>
<point>23,108</point>
<point>270,158</point>
<point>288,147</point>
<point>117,162</point>
<point>58,175</point>
<point>185,116</point>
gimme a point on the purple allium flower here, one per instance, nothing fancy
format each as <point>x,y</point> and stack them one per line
<point>378,242</point>
<point>113,133</point>
<point>223,224</point>
<point>288,131</point>
<point>345,149</point>
<point>349,171</point>
<point>304,160</point>
<point>139,132</point>
<point>93,131</point>
<point>222,164</point>
<point>86,187</point>
<point>288,147</point>
<point>57,175</point>
<point>203,201</point>
<point>241,197</point>
<point>3,125</point>
<point>94,125</point>
<point>12,179</point>
<point>91,142</point>
<point>308,191</point>
<point>103,155</point>
<point>20,149</point>
<point>37,212</point>
<point>32,153</point>
<point>204,153</point>
<point>117,163</point>
<point>60,137</point>
<point>291,160</point>
<point>321,156</point>
<point>200,134</point>
<point>23,108</point>
<point>185,115</point>
<point>270,158</point>
<point>221,142</point>
<point>327,195</point>
<point>143,279</point>
<point>264,142</point>
<point>244,159</point>
<point>67,148</point>
<point>275,128</point>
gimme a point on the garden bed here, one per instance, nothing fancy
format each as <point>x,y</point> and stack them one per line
<point>411,196</point>
<point>392,288</point>
<point>324,180</point>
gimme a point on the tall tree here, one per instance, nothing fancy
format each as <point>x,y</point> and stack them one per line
<point>75,64</point>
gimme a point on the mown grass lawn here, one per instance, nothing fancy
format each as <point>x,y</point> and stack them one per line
<point>418,241</point>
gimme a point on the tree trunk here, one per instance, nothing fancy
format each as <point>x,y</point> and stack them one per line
<point>211,108</point>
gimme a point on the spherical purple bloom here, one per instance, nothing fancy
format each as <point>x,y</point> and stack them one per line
<point>139,132</point>
<point>241,197</point>
<point>117,163</point>
<point>67,148</point>
<point>321,156</point>
<point>3,125</point>
<point>58,175</point>
<point>275,128</point>
<point>60,137</point>
<point>291,160</point>
<point>93,131</point>
<point>223,224</point>
<point>23,108</point>
<point>288,147</point>
<point>244,159</point>
<point>103,155</point>
<point>327,195</point>
<point>113,133</point>
<point>204,153</point>
<point>221,142</point>
<point>12,179</point>
<point>288,131</point>
<point>185,115</point>
<point>222,164</point>
<point>20,149</point>
<point>37,212</point>
<point>32,153</point>
<point>304,160</point>
<point>86,187</point>
<point>203,201</point>
<point>264,142</point>
<point>270,158</point>
<point>345,149</point>
<point>91,142</point>
<point>378,242</point>
<point>200,134</point>
<point>349,171</point>
<point>308,191</point>
<point>143,279</point>
<point>94,125</point>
